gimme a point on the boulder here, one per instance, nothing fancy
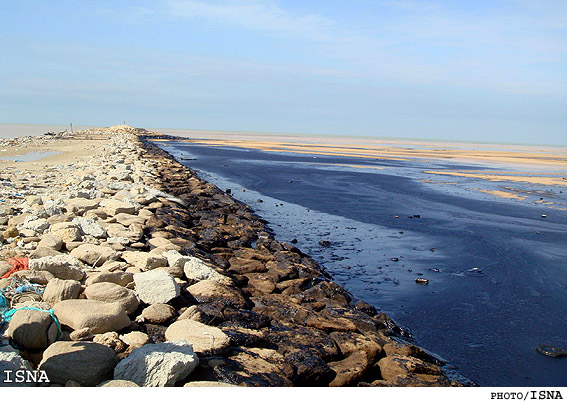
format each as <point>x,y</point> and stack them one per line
<point>98,316</point>
<point>144,260</point>
<point>79,205</point>
<point>58,290</point>
<point>197,270</point>
<point>118,383</point>
<point>206,340</point>
<point>406,371</point>
<point>112,340</point>
<point>158,313</point>
<point>68,232</point>
<point>113,207</point>
<point>256,367</point>
<point>175,259</point>
<point>37,277</point>
<point>117,277</point>
<point>135,339</point>
<point>352,369</point>
<point>84,362</point>
<point>242,266</point>
<point>94,255</point>
<point>64,267</point>
<point>51,241</point>
<point>37,225</point>
<point>155,287</point>
<point>88,226</point>
<point>129,219</point>
<point>110,292</point>
<point>31,329</point>
<point>211,291</point>
<point>161,364</point>
<point>163,244</point>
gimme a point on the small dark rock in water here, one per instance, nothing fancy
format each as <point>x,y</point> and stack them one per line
<point>551,351</point>
<point>325,244</point>
<point>260,201</point>
<point>417,216</point>
<point>228,191</point>
<point>422,281</point>
<point>432,249</point>
<point>293,241</point>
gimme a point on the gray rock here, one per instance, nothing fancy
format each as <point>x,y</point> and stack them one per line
<point>84,362</point>
<point>197,270</point>
<point>58,290</point>
<point>12,361</point>
<point>64,267</point>
<point>98,316</point>
<point>154,287</point>
<point>175,259</point>
<point>88,226</point>
<point>37,225</point>
<point>161,364</point>
<point>110,292</point>
<point>206,340</point>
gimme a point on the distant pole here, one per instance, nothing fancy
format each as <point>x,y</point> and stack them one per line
<point>71,127</point>
<point>124,122</point>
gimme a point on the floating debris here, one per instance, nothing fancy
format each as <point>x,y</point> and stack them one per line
<point>421,280</point>
<point>551,351</point>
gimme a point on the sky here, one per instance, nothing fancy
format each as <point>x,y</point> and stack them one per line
<point>456,69</point>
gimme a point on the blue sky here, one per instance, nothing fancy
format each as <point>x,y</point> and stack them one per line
<point>466,70</point>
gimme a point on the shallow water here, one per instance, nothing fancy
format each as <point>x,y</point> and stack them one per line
<point>497,270</point>
<point>31,156</point>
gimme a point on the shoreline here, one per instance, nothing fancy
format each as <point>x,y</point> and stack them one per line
<point>273,306</point>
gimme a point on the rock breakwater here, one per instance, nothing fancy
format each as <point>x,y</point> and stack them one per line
<point>123,267</point>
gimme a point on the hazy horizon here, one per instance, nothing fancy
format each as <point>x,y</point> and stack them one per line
<point>42,128</point>
<point>450,70</point>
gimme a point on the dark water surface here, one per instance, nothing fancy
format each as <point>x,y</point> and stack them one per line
<point>497,269</point>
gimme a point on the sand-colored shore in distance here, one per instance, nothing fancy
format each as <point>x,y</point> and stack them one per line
<point>558,180</point>
<point>382,148</point>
